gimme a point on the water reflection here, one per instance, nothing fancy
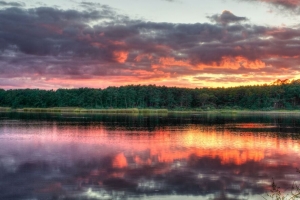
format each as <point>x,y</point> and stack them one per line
<point>46,156</point>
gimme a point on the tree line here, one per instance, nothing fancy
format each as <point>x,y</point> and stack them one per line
<point>282,94</point>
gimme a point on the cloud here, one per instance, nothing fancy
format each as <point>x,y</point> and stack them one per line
<point>291,5</point>
<point>53,47</point>
<point>14,4</point>
<point>226,17</point>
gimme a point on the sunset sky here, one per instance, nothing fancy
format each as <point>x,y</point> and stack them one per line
<point>183,43</point>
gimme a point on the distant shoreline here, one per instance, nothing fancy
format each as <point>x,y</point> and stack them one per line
<point>143,111</point>
<point>84,110</point>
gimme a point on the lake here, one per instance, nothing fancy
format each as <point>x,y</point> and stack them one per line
<point>171,157</point>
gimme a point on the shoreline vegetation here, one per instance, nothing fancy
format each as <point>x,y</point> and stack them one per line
<point>84,110</point>
<point>280,96</point>
<point>143,111</point>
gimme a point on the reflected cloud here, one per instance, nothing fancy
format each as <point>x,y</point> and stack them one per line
<point>79,158</point>
<point>119,161</point>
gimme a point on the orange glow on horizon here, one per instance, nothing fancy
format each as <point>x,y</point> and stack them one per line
<point>146,77</point>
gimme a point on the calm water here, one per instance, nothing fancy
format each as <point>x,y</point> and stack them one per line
<point>54,156</point>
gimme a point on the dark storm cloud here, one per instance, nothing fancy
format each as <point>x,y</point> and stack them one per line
<point>226,17</point>
<point>47,31</point>
<point>73,44</point>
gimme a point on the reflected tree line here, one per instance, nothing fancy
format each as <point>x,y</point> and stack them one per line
<point>282,94</point>
<point>285,126</point>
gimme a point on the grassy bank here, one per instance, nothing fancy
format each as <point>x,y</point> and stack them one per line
<point>5,109</point>
<point>83,110</point>
<point>235,111</point>
<point>146,111</point>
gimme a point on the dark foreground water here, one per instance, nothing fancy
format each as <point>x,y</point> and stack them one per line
<point>61,156</point>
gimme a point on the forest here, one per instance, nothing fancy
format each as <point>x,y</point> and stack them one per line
<point>281,94</point>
